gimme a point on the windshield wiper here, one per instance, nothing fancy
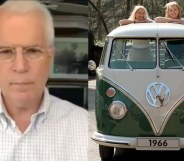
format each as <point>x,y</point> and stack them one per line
<point>125,59</point>
<point>173,56</point>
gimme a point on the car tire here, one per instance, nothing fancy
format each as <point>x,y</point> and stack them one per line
<point>122,153</point>
<point>106,153</point>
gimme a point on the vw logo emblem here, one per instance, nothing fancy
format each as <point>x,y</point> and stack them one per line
<point>158,94</point>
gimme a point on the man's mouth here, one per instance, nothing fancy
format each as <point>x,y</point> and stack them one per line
<point>21,83</point>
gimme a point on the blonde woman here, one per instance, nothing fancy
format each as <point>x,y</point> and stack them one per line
<point>138,15</point>
<point>172,14</point>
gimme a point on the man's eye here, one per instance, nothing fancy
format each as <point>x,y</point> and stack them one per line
<point>6,51</point>
<point>33,51</point>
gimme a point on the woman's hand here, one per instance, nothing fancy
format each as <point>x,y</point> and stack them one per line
<point>177,21</point>
<point>143,21</point>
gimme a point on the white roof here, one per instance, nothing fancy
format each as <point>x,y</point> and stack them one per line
<point>140,30</point>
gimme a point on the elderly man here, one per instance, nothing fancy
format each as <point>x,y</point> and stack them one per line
<point>34,126</point>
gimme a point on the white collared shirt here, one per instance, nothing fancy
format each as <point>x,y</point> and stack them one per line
<point>57,132</point>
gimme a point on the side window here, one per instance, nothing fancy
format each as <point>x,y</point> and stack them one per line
<point>103,53</point>
<point>133,54</point>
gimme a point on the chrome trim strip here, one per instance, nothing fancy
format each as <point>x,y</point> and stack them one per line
<point>114,141</point>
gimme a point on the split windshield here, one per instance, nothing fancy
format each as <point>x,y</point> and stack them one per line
<point>142,54</point>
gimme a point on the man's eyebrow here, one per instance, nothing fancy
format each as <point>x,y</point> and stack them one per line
<point>5,46</point>
<point>33,45</point>
<point>24,46</point>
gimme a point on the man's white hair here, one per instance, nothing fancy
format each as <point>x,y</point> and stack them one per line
<point>24,6</point>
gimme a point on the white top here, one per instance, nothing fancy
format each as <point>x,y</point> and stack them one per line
<point>149,30</point>
<point>139,44</point>
<point>58,132</point>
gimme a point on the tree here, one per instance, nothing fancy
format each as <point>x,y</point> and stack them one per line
<point>100,16</point>
<point>104,15</point>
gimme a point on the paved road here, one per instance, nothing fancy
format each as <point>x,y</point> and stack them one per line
<point>93,154</point>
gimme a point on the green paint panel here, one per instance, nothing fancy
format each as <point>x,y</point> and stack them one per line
<point>134,124</point>
<point>175,125</point>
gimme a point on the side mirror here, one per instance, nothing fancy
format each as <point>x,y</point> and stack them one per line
<point>91,65</point>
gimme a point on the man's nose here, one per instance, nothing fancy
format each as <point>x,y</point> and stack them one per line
<point>20,64</point>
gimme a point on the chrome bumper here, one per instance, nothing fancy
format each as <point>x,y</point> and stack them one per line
<point>122,142</point>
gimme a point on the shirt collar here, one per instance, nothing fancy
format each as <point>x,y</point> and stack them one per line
<point>40,116</point>
<point>4,117</point>
<point>45,105</point>
<point>36,118</point>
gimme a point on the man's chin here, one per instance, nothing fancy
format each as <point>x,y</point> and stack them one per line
<point>21,93</point>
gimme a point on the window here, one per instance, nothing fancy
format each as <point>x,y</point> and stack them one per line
<point>171,53</point>
<point>71,57</point>
<point>133,54</point>
<point>103,53</point>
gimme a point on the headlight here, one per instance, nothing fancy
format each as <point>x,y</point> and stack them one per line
<point>117,110</point>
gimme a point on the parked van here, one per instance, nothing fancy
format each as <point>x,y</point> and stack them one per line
<point>140,89</point>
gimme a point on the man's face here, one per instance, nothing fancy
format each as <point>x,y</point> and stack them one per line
<point>22,79</point>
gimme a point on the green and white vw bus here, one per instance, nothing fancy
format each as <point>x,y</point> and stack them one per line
<point>140,89</point>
